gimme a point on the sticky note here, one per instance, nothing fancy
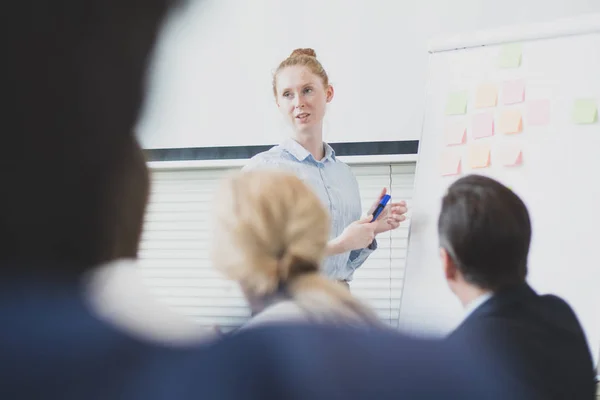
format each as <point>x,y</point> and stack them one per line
<point>450,163</point>
<point>509,154</point>
<point>538,112</point>
<point>483,125</point>
<point>510,121</point>
<point>479,155</point>
<point>486,96</point>
<point>456,133</point>
<point>513,92</point>
<point>585,111</point>
<point>457,103</point>
<point>510,55</point>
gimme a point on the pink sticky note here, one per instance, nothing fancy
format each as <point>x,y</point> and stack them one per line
<point>456,133</point>
<point>479,155</point>
<point>450,163</point>
<point>511,121</point>
<point>486,96</point>
<point>513,92</point>
<point>510,155</point>
<point>483,125</point>
<point>538,112</point>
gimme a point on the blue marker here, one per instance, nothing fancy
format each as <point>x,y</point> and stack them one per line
<point>382,203</point>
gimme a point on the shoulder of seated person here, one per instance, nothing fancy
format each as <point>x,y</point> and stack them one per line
<point>117,295</point>
<point>283,311</point>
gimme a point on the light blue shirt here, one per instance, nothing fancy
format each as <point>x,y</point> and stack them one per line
<point>336,186</point>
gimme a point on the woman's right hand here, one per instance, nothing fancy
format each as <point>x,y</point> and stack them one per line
<point>359,234</point>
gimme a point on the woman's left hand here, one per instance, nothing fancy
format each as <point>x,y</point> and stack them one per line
<point>391,216</point>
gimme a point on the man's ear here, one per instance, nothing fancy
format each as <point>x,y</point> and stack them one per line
<point>448,265</point>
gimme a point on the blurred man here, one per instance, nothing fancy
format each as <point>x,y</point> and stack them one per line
<point>75,187</point>
<point>535,341</point>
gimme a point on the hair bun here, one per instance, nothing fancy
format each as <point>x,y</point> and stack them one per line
<point>304,52</point>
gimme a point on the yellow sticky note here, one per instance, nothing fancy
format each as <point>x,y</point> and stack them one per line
<point>509,155</point>
<point>511,121</point>
<point>510,55</point>
<point>450,163</point>
<point>585,111</point>
<point>479,155</point>
<point>456,133</point>
<point>486,96</point>
<point>456,103</point>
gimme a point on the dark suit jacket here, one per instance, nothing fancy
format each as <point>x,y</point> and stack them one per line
<point>533,342</point>
<point>52,347</point>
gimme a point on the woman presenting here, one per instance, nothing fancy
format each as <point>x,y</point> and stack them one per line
<point>302,90</point>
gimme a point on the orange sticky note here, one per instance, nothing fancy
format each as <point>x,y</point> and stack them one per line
<point>486,96</point>
<point>483,125</point>
<point>479,155</point>
<point>456,133</point>
<point>450,163</point>
<point>513,92</point>
<point>538,112</point>
<point>510,155</point>
<point>511,121</point>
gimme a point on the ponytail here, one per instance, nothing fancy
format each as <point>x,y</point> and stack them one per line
<point>323,300</point>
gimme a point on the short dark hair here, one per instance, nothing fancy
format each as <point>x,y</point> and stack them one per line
<point>74,178</point>
<point>485,228</point>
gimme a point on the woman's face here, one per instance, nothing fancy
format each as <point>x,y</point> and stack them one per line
<point>302,98</point>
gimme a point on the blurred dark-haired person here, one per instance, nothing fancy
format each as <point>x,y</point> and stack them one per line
<point>533,340</point>
<point>75,191</point>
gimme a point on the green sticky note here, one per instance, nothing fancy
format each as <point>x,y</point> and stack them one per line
<point>510,55</point>
<point>457,103</point>
<point>585,111</point>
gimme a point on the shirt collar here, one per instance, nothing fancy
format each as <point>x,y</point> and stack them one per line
<point>475,303</point>
<point>329,152</point>
<point>301,154</point>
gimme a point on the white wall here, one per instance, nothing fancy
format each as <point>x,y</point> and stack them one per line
<point>211,82</point>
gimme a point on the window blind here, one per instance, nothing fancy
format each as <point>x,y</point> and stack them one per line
<point>174,256</point>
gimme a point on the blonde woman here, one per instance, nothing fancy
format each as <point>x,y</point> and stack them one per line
<point>271,236</point>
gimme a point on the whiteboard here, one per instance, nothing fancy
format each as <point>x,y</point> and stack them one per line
<point>210,82</point>
<point>558,178</point>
